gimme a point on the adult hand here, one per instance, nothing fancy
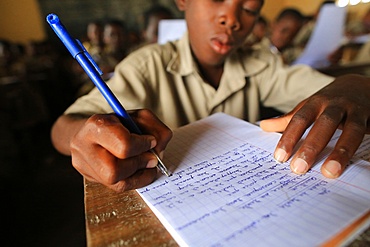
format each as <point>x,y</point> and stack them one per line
<point>104,151</point>
<point>344,104</point>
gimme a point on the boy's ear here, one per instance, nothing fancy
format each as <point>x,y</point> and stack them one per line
<point>180,4</point>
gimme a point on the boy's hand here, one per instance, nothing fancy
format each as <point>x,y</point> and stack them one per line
<point>104,151</point>
<point>345,104</point>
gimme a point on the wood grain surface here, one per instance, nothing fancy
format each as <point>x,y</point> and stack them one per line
<point>123,219</point>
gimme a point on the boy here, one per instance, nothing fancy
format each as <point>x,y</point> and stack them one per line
<point>201,74</point>
<point>283,31</point>
<point>260,30</point>
<point>115,44</point>
<point>151,18</point>
<point>151,21</point>
<point>94,44</point>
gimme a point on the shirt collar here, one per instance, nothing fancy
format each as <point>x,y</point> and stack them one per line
<point>182,62</point>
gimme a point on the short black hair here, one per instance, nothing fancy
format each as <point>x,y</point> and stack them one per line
<point>116,22</point>
<point>156,10</point>
<point>262,20</point>
<point>292,13</point>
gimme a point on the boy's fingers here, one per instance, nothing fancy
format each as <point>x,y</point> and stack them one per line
<point>114,173</point>
<point>344,150</point>
<point>113,136</point>
<point>140,179</point>
<point>279,124</point>
<point>294,131</point>
<point>109,170</point>
<point>316,140</point>
<point>150,123</point>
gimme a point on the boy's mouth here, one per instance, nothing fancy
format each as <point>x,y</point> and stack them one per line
<point>221,44</point>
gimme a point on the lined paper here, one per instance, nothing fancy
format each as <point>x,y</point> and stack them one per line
<point>227,190</point>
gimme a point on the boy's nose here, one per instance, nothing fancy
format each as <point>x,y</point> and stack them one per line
<point>230,21</point>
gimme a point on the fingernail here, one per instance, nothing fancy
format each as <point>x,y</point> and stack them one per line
<point>153,142</point>
<point>152,163</point>
<point>299,166</point>
<point>333,168</point>
<point>280,155</point>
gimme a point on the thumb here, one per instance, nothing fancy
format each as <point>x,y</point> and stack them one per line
<point>280,123</point>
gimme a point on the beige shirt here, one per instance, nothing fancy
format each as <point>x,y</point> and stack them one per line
<point>289,54</point>
<point>166,80</point>
<point>363,55</point>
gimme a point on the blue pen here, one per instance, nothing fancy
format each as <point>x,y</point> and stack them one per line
<point>79,53</point>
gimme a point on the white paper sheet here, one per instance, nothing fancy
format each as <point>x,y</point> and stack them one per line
<point>169,30</point>
<point>327,36</point>
<point>227,190</point>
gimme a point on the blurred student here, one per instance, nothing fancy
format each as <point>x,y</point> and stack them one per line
<point>95,47</point>
<point>113,50</point>
<point>359,28</point>
<point>283,31</point>
<point>115,45</point>
<point>363,55</point>
<point>11,64</point>
<point>260,30</point>
<point>203,73</point>
<point>94,43</point>
<point>152,17</point>
<point>305,32</point>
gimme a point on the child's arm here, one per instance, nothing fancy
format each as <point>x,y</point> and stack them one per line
<point>345,104</point>
<point>104,151</point>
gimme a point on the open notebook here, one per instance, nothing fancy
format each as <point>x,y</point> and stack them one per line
<point>227,190</point>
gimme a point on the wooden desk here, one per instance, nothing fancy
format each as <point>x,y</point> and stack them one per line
<point>123,219</point>
<point>351,68</point>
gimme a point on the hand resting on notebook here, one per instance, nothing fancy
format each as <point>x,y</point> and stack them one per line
<point>342,104</point>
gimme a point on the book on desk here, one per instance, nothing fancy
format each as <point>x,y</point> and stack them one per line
<point>227,190</point>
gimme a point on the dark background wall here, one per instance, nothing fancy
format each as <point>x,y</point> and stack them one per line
<point>75,14</point>
<point>23,21</point>
<point>42,194</point>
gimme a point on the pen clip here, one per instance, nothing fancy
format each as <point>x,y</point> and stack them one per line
<point>89,57</point>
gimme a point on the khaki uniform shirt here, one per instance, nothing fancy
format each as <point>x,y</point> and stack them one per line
<point>363,55</point>
<point>289,54</point>
<point>166,80</point>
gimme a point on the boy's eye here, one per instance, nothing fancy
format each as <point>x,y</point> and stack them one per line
<point>252,7</point>
<point>251,12</point>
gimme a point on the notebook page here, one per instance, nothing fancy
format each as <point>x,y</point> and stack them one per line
<point>227,190</point>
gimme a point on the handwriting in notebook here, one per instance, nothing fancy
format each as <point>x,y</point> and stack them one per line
<point>241,194</point>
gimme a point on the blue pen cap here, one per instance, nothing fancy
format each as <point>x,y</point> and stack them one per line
<point>73,47</point>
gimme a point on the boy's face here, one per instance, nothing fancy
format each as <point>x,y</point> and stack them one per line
<point>284,31</point>
<point>113,36</point>
<point>260,30</point>
<point>218,27</point>
<point>94,33</point>
<point>151,32</point>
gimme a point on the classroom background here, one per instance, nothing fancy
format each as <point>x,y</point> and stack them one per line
<point>22,21</point>
<point>43,200</point>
